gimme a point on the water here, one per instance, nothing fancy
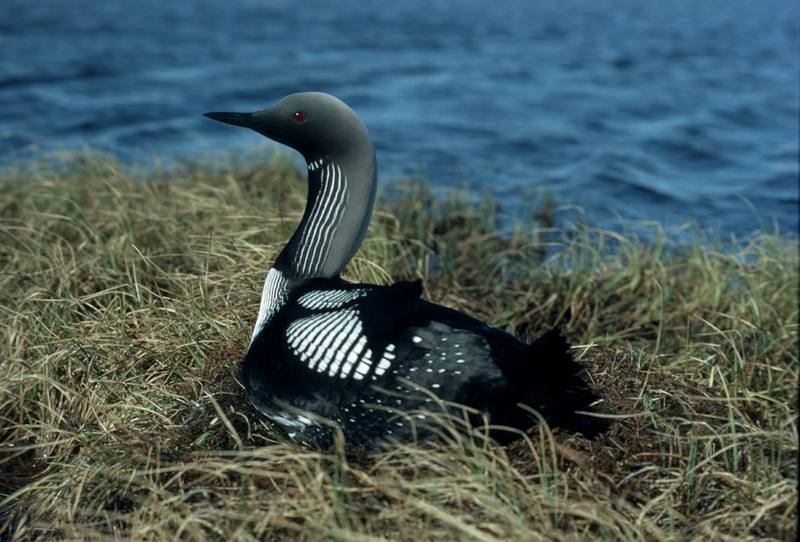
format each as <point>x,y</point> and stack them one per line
<point>671,111</point>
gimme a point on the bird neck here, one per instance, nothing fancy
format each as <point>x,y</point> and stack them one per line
<point>341,193</point>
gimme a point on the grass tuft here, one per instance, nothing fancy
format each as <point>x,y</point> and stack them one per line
<point>126,305</point>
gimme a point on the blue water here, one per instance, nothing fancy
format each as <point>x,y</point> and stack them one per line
<point>673,111</point>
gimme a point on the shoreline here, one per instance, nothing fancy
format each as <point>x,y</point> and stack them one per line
<point>541,201</point>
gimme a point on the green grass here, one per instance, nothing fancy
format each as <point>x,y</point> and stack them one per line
<point>126,305</point>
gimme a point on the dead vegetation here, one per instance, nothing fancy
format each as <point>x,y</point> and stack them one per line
<point>126,306</point>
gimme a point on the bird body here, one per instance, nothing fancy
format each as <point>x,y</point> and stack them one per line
<point>370,359</point>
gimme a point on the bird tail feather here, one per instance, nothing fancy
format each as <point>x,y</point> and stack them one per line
<point>548,380</point>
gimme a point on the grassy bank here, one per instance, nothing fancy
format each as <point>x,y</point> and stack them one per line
<point>127,305</point>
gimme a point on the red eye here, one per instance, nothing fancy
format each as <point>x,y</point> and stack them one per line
<point>299,116</point>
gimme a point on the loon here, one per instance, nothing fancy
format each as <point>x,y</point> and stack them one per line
<point>326,354</point>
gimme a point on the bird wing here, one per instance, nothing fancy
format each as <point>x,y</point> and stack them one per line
<point>333,337</point>
<point>346,331</point>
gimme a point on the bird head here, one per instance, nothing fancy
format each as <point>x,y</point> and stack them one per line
<point>313,123</point>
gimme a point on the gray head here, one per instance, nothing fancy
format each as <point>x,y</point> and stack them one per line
<point>342,178</point>
<point>313,123</point>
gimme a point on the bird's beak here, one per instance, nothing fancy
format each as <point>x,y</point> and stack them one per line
<point>260,121</point>
<point>237,119</point>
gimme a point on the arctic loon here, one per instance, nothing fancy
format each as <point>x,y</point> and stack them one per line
<point>328,354</point>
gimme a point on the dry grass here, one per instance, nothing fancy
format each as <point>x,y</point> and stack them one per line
<point>127,304</point>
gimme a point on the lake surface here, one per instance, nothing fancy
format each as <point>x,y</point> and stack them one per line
<point>671,111</point>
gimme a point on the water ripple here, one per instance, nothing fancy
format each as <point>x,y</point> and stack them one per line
<point>670,111</point>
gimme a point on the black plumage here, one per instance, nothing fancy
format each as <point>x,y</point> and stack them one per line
<point>455,357</point>
<point>327,354</point>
